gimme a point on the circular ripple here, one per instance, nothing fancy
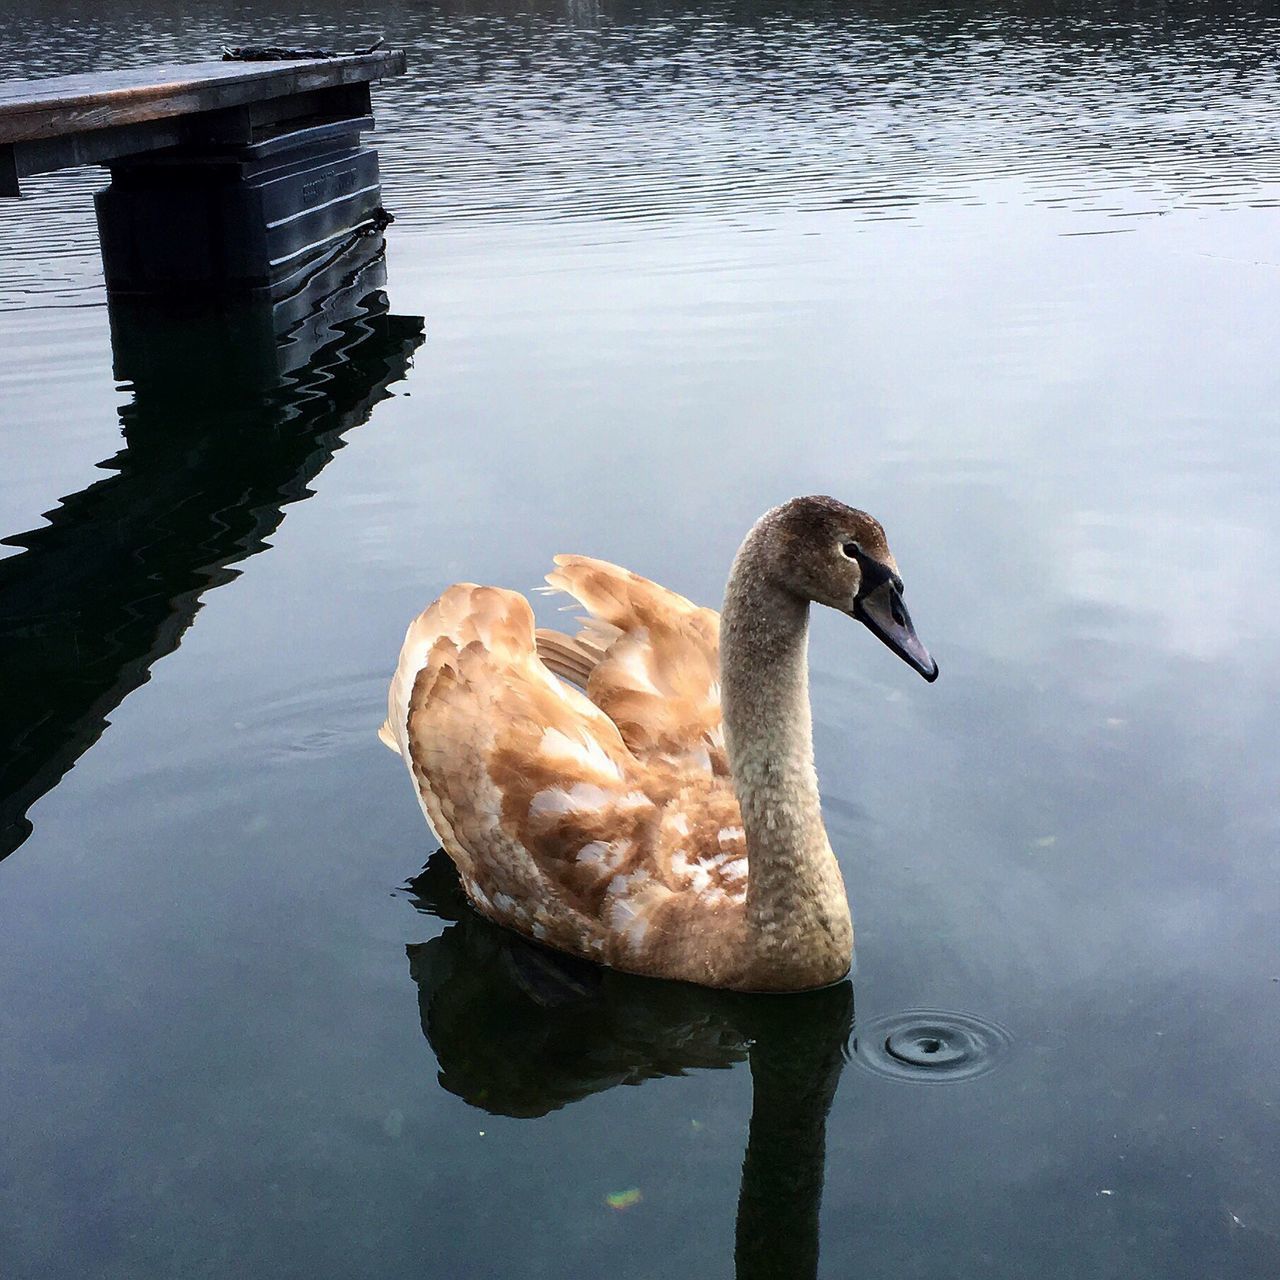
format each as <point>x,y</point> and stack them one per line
<point>929,1045</point>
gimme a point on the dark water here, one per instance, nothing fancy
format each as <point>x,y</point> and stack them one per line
<point>1006,277</point>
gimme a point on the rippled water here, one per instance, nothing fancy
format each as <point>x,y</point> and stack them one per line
<point>1004,276</point>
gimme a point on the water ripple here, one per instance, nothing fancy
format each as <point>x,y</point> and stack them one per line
<point>587,112</point>
<point>521,120</point>
<point>929,1046</point>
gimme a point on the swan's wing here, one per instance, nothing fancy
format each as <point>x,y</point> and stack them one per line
<point>557,830</point>
<point>651,662</point>
<point>527,783</point>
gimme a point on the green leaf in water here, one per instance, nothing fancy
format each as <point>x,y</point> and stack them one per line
<point>623,1199</point>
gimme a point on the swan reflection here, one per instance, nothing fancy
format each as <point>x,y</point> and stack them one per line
<point>521,1031</point>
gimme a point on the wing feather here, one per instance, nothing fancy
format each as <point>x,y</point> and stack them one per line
<point>656,668</point>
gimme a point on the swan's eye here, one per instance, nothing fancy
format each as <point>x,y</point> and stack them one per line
<point>852,550</point>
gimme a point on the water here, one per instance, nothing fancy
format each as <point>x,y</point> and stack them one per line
<point>1003,276</point>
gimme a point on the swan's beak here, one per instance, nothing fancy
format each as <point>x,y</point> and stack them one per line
<point>883,614</point>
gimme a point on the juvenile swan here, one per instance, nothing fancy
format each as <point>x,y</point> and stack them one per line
<point>631,824</point>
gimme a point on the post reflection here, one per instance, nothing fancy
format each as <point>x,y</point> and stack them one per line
<point>521,1031</point>
<point>237,405</point>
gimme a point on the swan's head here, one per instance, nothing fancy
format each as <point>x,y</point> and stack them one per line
<point>835,555</point>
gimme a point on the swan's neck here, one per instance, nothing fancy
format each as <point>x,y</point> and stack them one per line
<point>797,912</point>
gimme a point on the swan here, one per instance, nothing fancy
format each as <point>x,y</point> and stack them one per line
<point>642,794</point>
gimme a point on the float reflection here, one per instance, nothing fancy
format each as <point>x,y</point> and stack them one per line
<point>237,405</point>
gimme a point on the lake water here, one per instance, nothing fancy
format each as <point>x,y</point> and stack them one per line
<point>1005,276</point>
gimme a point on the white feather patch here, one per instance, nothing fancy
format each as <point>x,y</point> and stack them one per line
<point>584,750</point>
<point>581,797</point>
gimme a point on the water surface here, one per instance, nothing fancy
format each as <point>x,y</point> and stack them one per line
<point>1004,276</point>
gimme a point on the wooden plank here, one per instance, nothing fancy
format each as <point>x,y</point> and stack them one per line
<point>99,147</point>
<point>36,110</point>
<point>104,146</point>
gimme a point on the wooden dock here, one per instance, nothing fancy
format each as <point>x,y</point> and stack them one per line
<point>106,116</point>
<point>226,176</point>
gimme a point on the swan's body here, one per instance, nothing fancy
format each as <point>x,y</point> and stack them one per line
<point>629,824</point>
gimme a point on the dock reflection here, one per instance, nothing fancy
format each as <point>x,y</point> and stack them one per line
<point>236,407</point>
<point>521,1031</point>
